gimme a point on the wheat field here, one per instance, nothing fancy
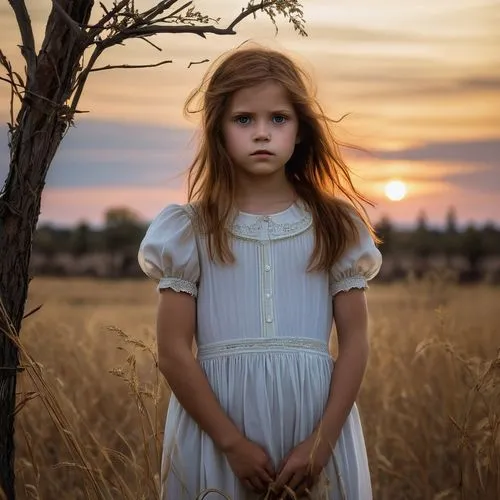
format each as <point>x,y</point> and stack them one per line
<point>91,403</point>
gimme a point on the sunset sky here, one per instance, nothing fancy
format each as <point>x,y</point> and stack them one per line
<point>420,82</point>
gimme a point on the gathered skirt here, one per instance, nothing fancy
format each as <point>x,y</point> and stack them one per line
<point>275,391</point>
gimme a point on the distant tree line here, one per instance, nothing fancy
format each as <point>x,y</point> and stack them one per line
<point>122,232</point>
<point>116,244</point>
<point>472,252</point>
<point>468,251</point>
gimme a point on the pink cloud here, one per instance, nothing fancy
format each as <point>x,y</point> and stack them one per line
<point>67,205</point>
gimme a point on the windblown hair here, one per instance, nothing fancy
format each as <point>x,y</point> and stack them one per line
<point>316,169</point>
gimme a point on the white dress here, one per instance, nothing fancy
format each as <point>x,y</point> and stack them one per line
<point>263,331</point>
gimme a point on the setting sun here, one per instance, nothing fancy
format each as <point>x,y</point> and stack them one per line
<point>395,190</point>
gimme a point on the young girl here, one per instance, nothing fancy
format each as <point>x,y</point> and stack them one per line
<point>257,269</point>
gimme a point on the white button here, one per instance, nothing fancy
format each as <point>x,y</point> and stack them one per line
<point>268,295</point>
<point>269,319</point>
<point>268,268</point>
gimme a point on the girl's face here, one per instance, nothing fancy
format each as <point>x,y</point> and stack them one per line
<point>260,129</point>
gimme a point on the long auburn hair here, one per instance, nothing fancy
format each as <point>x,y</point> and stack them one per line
<point>316,169</point>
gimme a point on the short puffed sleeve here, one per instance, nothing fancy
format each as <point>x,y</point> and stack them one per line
<point>359,263</point>
<point>168,252</point>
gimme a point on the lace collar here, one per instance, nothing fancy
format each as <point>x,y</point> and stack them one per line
<point>290,222</point>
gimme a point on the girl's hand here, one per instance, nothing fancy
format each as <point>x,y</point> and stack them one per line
<point>251,464</point>
<point>301,468</point>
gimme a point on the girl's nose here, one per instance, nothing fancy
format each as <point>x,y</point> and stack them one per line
<point>261,132</point>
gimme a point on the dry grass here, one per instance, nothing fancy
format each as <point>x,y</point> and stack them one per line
<point>91,404</point>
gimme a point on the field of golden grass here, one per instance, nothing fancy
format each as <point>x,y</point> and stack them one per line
<point>91,404</point>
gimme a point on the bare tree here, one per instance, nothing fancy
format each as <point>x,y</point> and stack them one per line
<point>47,98</point>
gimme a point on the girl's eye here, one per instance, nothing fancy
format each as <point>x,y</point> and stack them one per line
<point>279,119</point>
<point>242,120</point>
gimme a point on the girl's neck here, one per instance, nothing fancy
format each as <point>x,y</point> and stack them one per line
<point>265,196</point>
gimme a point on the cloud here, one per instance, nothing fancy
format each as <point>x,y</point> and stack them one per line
<point>69,205</point>
<point>416,86</point>
<point>485,151</point>
<point>334,33</point>
<point>338,35</point>
<point>114,154</point>
<point>472,165</point>
<point>481,83</point>
<point>378,170</point>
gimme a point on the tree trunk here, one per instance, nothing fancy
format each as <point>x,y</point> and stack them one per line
<point>41,124</point>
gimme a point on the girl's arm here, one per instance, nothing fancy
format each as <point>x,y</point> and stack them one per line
<point>302,466</point>
<point>351,318</point>
<point>176,324</point>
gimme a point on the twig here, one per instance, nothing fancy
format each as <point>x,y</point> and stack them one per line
<point>195,30</point>
<point>245,13</point>
<point>7,81</point>
<point>130,66</point>
<point>28,47</point>
<point>14,86</point>
<point>103,7</point>
<point>180,9</point>
<point>82,77</point>
<point>198,62</point>
<point>97,28</point>
<point>157,9</point>
<point>20,82</point>
<point>14,90</point>
<point>155,20</point>
<point>151,43</point>
<point>201,30</point>
<point>11,105</point>
<point>33,311</point>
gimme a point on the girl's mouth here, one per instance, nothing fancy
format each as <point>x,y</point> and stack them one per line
<point>262,152</point>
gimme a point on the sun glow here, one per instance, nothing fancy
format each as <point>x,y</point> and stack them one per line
<point>395,190</point>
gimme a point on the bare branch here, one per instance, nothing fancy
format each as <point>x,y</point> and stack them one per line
<point>28,47</point>
<point>82,78</point>
<point>97,28</point>
<point>170,17</point>
<point>104,8</point>
<point>201,30</point>
<point>180,9</point>
<point>10,82</point>
<point>14,86</point>
<point>11,107</point>
<point>155,30</point>
<point>130,66</point>
<point>152,44</point>
<point>158,9</point>
<point>77,30</point>
<point>10,72</point>
<point>249,11</point>
<point>33,311</point>
<point>19,82</point>
<point>198,62</point>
